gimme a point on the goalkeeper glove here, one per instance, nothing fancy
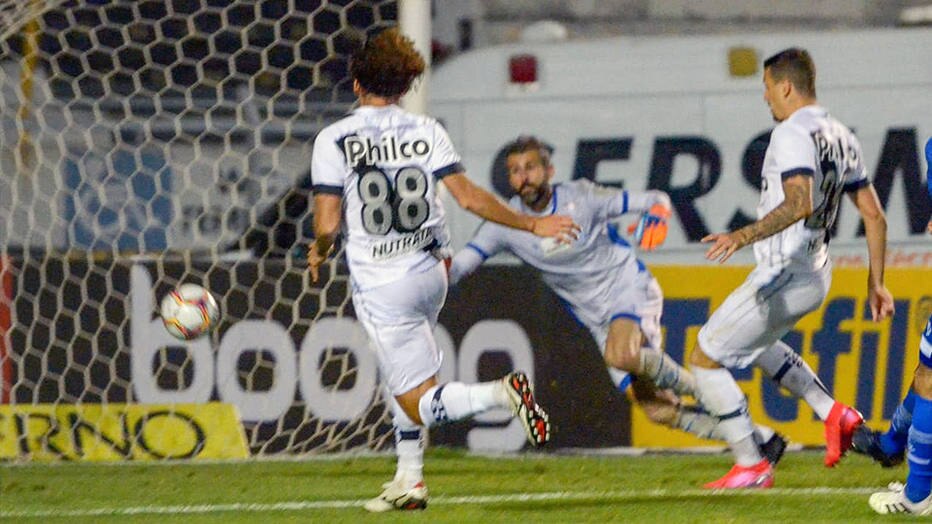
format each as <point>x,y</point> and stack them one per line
<point>651,230</point>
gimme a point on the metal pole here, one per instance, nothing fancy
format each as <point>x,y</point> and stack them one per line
<point>414,19</point>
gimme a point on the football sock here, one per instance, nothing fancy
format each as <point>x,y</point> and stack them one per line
<point>456,400</point>
<point>665,373</point>
<point>893,442</point>
<point>720,394</point>
<point>620,379</point>
<point>919,481</point>
<point>788,369</point>
<point>409,447</point>
<point>763,433</point>
<point>698,421</point>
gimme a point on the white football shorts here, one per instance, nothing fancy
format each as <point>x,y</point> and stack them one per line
<point>400,318</point>
<point>760,311</point>
<point>640,299</point>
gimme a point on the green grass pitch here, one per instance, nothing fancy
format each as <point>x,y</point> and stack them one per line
<point>537,487</point>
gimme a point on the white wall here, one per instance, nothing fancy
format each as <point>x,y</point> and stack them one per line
<point>646,88</point>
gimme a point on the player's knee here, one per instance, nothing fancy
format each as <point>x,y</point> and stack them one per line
<point>623,347</point>
<point>624,358</point>
<point>922,381</point>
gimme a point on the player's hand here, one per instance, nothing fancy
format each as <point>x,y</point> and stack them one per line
<point>929,227</point>
<point>723,246</point>
<point>560,227</point>
<point>881,302</point>
<point>651,230</point>
<point>315,260</point>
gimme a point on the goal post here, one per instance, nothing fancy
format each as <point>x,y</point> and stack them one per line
<point>171,143</point>
<point>414,19</point>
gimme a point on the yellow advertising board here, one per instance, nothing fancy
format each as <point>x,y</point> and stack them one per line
<point>103,432</point>
<point>865,364</point>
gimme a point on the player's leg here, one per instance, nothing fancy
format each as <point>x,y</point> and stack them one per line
<point>888,448</point>
<point>919,481</point>
<point>633,344</point>
<point>800,294</point>
<point>720,394</point>
<point>788,369</point>
<point>407,489</point>
<point>916,496</point>
<point>398,331</point>
<point>626,350</point>
<point>399,319</point>
<point>665,408</point>
<point>893,441</point>
<point>634,340</point>
<point>745,324</point>
<point>440,403</point>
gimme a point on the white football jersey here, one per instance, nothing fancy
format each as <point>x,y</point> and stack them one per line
<point>385,163</point>
<point>809,142</point>
<point>575,271</point>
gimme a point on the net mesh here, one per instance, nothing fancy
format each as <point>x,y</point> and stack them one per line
<point>144,144</point>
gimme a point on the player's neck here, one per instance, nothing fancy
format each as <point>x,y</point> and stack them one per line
<point>801,103</point>
<point>369,99</point>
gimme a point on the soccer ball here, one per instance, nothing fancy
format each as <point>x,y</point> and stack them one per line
<point>189,311</point>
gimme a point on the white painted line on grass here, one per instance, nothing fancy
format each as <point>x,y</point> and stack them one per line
<point>255,507</point>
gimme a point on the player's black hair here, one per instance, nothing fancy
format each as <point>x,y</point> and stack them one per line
<point>387,64</point>
<point>796,65</point>
<point>525,143</point>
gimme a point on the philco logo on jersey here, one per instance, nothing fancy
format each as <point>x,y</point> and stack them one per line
<point>367,151</point>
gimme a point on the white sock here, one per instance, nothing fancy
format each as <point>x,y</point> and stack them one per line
<point>665,373</point>
<point>720,394</point>
<point>788,369</point>
<point>409,447</point>
<point>695,420</point>
<point>456,401</point>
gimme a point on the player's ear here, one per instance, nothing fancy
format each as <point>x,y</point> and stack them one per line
<point>786,87</point>
<point>549,171</point>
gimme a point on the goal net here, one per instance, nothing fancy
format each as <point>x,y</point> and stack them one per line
<point>150,143</point>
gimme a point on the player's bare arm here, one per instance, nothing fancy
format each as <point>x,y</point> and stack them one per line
<point>327,212</point>
<point>796,205</point>
<point>479,201</point>
<point>875,231</point>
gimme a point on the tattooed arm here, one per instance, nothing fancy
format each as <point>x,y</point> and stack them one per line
<point>796,205</point>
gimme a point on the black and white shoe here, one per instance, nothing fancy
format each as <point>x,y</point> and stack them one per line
<point>867,442</point>
<point>773,449</point>
<point>397,497</point>
<point>894,501</point>
<point>535,420</point>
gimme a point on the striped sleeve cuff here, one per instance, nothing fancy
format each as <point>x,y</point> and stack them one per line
<point>805,171</point>
<point>456,167</point>
<point>328,190</point>
<point>857,184</point>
